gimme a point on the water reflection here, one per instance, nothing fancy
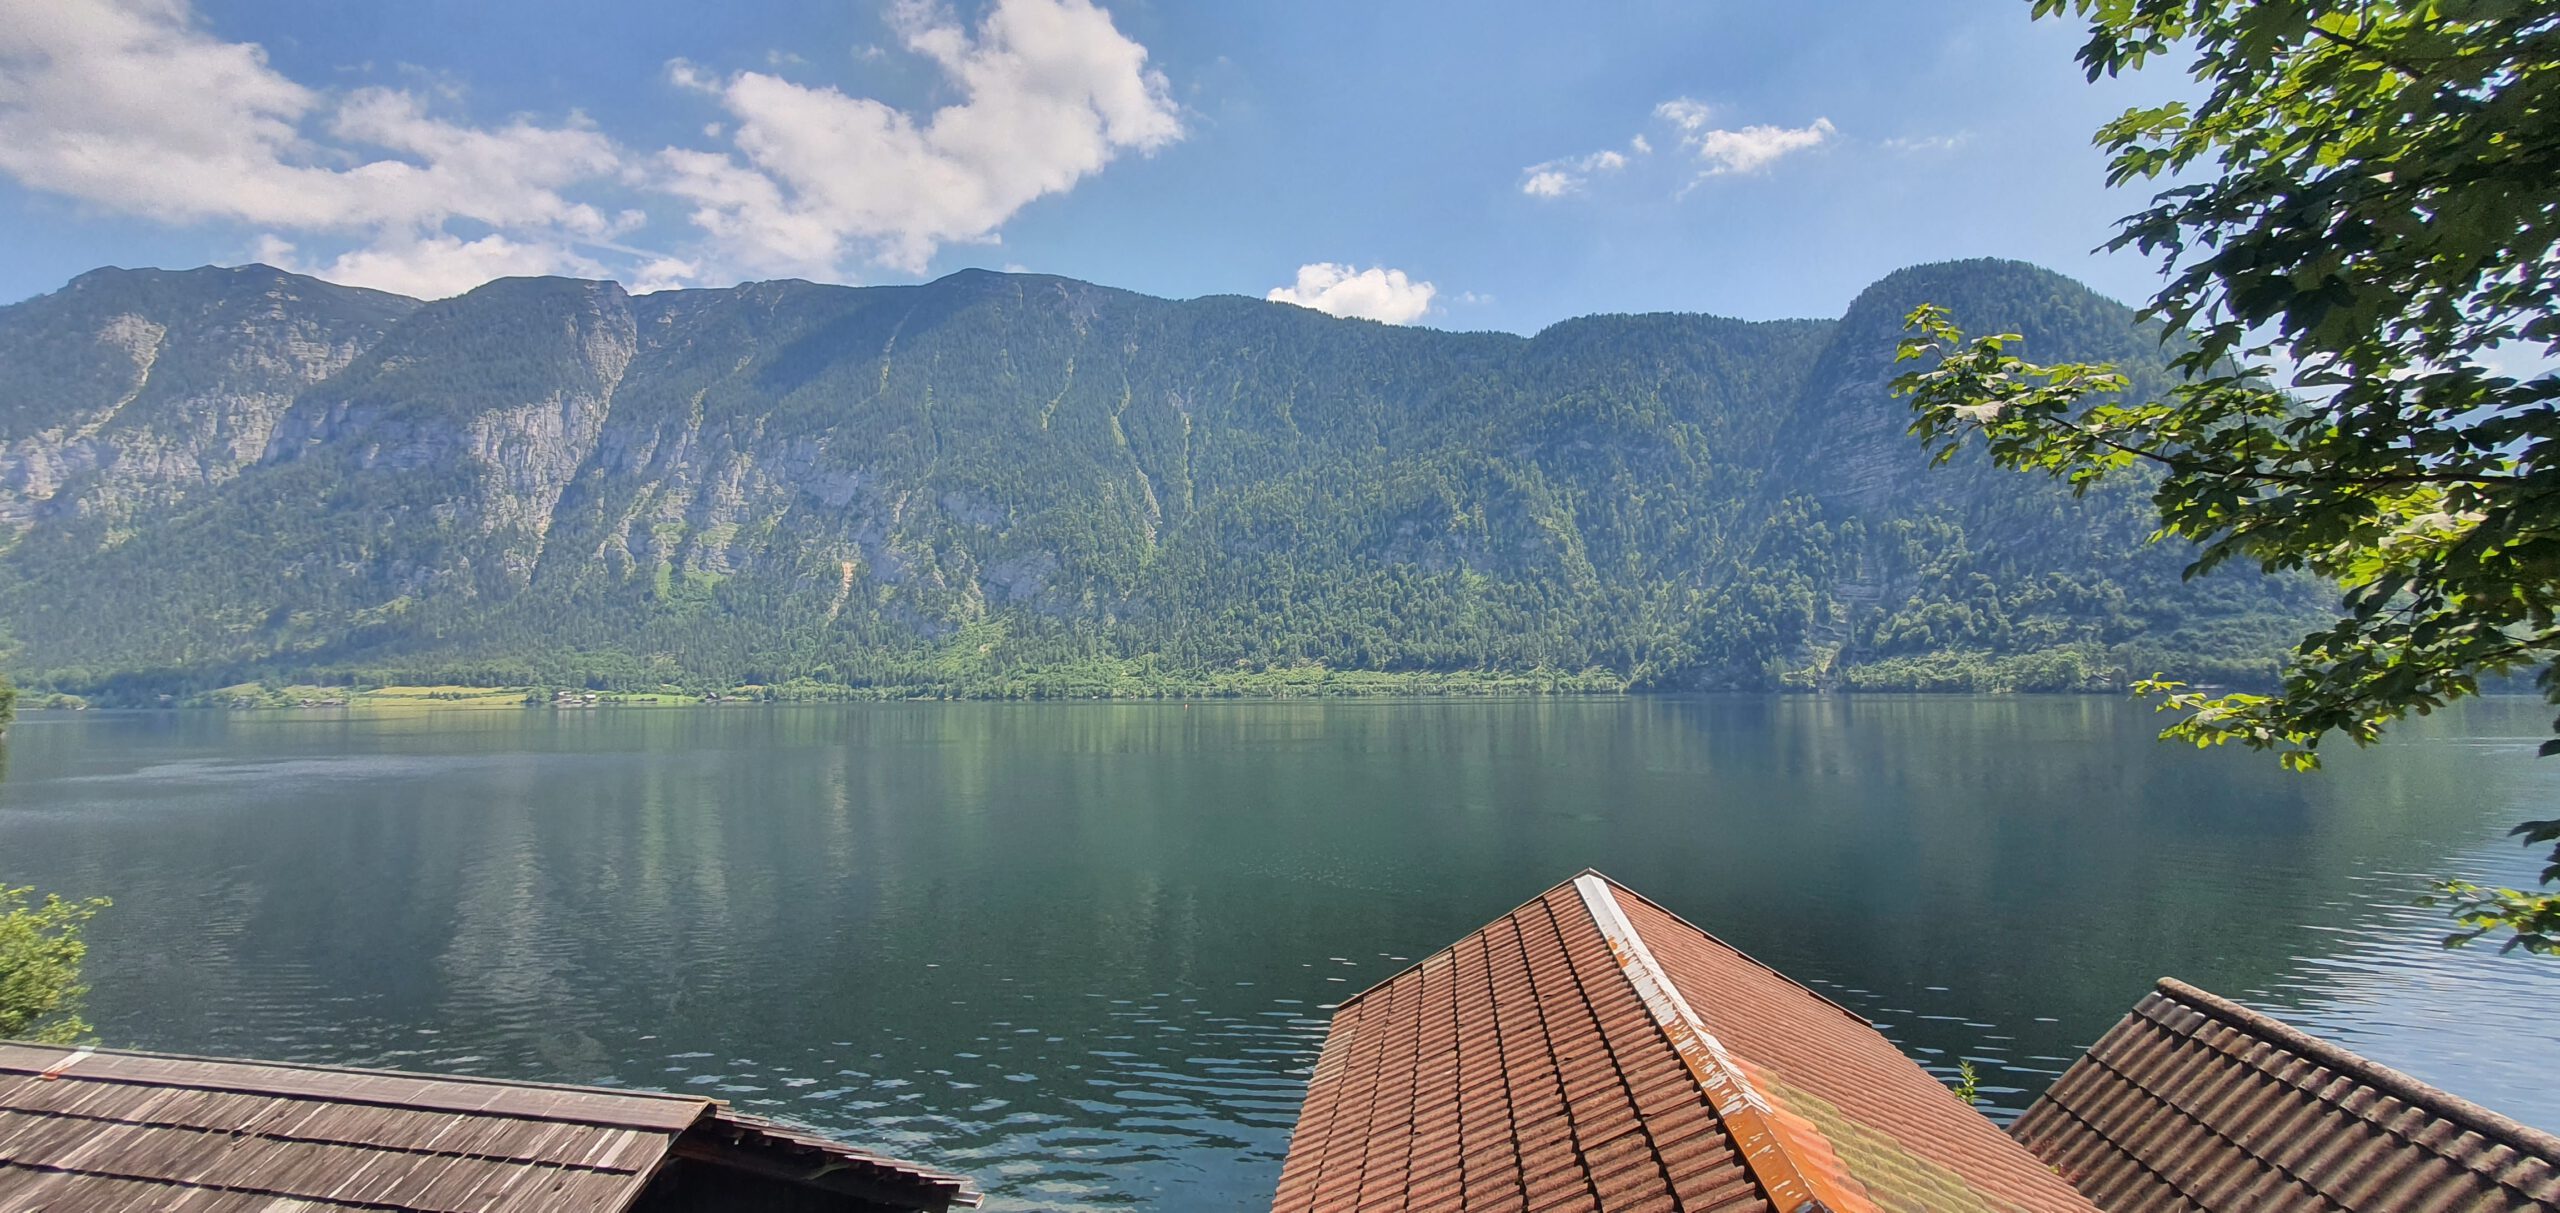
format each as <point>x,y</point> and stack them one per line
<point>1085,952</point>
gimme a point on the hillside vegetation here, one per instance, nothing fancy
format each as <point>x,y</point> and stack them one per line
<point>1003,484</point>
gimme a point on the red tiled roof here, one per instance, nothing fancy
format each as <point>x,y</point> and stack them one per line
<point>1592,1051</point>
<point>2194,1102</point>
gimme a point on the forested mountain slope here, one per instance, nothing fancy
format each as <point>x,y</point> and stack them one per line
<point>1021,484</point>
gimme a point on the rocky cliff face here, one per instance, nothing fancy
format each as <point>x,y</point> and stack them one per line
<point>127,391</point>
<point>226,472</point>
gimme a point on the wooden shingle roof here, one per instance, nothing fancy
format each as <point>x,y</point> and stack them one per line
<point>1592,1051</point>
<point>97,1130</point>
<point>2194,1102</point>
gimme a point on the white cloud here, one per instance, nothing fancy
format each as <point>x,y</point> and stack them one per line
<point>1549,183</point>
<point>1928,144</point>
<point>1376,293</point>
<point>1050,90</point>
<point>665,274</point>
<point>1747,150</point>
<point>1556,178</point>
<point>126,104</point>
<point>1685,113</point>
<point>507,177</point>
<point>434,266</point>
<point>134,106</point>
<point>1756,147</point>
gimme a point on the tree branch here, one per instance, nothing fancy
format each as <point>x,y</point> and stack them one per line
<point>2379,56</point>
<point>2193,466</point>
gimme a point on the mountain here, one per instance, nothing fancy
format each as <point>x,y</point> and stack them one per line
<point>1019,484</point>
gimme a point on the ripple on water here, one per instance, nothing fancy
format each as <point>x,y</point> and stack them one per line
<point>642,914</point>
<point>1078,1114</point>
<point>2446,1016</point>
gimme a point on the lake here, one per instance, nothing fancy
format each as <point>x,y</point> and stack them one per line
<point>1084,952</point>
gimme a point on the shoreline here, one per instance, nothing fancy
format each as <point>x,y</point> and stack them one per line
<point>451,698</point>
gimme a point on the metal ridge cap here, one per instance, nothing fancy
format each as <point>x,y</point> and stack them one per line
<point>1746,1115</point>
<point>1721,942</point>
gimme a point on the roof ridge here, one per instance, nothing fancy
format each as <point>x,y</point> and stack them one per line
<point>1746,1114</point>
<point>1721,942</point>
<point>240,1079</point>
<point>964,1190</point>
<point>2484,1121</point>
<point>1569,882</point>
<point>483,1080</point>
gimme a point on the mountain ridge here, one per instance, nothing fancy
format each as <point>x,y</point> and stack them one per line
<point>1023,484</point>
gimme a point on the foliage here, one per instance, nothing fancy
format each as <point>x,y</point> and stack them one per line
<point>40,954</point>
<point>2369,199</point>
<point>2531,920</point>
<point>1968,1085</point>
<point>1018,486</point>
<point>2057,669</point>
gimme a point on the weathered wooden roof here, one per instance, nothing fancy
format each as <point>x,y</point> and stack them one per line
<point>96,1130</point>
<point>2194,1102</point>
<point>1592,1051</point>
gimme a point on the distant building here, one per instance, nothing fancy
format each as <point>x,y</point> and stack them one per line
<point>1592,1051</point>
<point>86,1131</point>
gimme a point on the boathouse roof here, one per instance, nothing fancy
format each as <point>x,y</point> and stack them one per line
<point>1591,1050</point>
<point>2196,1102</point>
<point>85,1130</point>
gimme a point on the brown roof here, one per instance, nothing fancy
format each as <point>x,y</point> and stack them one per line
<point>2197,1103</point>
<point>1590,1050</point>
<point>95,1130</point>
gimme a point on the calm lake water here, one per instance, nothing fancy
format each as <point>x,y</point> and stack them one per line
<point>1084,952</point>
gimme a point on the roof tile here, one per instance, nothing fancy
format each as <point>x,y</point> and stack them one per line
<point>88,1130</point>
<point>2195,1102</point>
<point>1532,1045</point>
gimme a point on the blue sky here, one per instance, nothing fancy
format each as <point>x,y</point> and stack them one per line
<point>1476,165</point>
